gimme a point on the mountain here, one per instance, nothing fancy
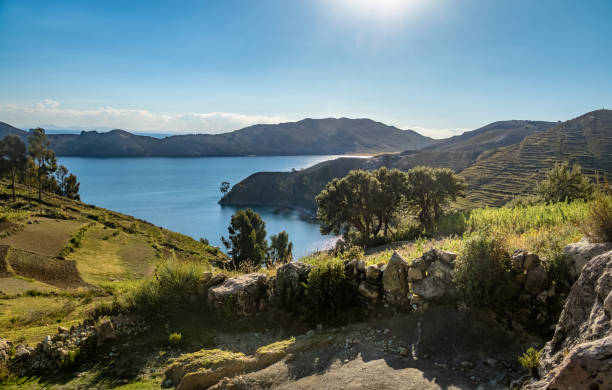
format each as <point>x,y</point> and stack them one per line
<point>494,174</point>
<point>306,137</point>
<point>6,129</point>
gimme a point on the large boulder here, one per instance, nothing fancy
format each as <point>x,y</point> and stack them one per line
<point>395,281</point>
<point>580,352</point>
<point>437,283</point>
<point>105,331</point>
<point>245,295</point>
<point>289,284</point>
<point>577,254</point>
<point>537,280</point>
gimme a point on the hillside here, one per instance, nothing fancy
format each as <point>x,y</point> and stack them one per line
<point>493,175</point>
<point>60,259</point>
<point>298,189</point>
<point>306,137</point>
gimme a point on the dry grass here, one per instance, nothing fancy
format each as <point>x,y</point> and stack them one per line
<point>45,236</point>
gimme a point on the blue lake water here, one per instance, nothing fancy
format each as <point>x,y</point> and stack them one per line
<point>181,194</point>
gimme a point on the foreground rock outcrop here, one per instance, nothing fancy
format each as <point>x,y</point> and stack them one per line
<point>579,356</point>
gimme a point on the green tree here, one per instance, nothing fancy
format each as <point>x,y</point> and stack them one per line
<point>281,249</point>
<point>247,238</point>
<point>430,190</point>
<point>564,184</point>
<point>71,187</point>
<point>13,156</point>
<point>44,157</point>
<point>225,186</point>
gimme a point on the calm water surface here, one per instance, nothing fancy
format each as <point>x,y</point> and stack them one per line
<point>181,194</point>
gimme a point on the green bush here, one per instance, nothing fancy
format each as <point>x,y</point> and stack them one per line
<point>530,360</point>
<point>326,288</point>
<point>354,252</point>
<point>175,338</point>
<point>598,222</point>
<point>169,290</point>
<point>483,272</point>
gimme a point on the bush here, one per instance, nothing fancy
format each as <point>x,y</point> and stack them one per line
<point>598,222</point>
<point>565,184</point>
<point>175,338</point>
<point>354,252</point>
<point>326,288</point>
<point>530,360</point>
<point>483,272</point>
<point>169,290</point>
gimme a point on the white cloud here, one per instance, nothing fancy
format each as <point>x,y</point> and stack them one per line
<point>436,133</point>
<point>49,112</point>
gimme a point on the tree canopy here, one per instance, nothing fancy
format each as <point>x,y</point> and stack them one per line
<point>280,250</point>
<point>13,157</point>
<point>247,238</point>
<point>564,184</point>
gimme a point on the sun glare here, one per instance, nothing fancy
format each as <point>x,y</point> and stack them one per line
<point>384,10</point>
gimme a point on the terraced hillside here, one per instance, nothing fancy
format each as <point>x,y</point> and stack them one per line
<point>504,172</point>
<point>61,258</point>
<point>494,174</point>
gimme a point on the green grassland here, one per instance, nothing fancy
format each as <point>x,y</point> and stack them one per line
<point>59,259</point>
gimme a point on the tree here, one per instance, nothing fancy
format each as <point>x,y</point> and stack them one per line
<point>42,156</point>
<point>13,155</point>
<point>71,187</point>
<point>247,238</point>
<point>430,190</point>
<point>225,186</point>
<point>281,249</point>
<point>564,184</point>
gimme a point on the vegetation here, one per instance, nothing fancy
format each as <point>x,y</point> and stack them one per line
<point>12,158</point>
<point>483,272</point>
<point>247,238</point>
<point>327,292</point>
<point>369,203</point>
<point>280,250</point>
<point>225,187</point>
<point>175,338</point>
<point>598,222</point>
<point>565,184</point>
<point>530,360</point>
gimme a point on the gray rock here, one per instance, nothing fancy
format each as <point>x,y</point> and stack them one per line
<point>517,259</point>
<point>576,355</point>
<point>289,284</point>
<point>216,279</point>
<point>373,273</point>
<point>447,257</point>
<point>437,284</point>
<point>537,280</point>
<point>5,349</point>
<point>395,281</point>
<point>531,261</point>
<point>244,295</point>
<point>414,274</point>
<point>419,263</point>
<point>361,266</point>
<point>367,290</point>
<point>46,343</point>
<point>22,352</point>
<point>576,255</point>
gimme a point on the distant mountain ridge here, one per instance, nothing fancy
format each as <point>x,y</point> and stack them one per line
<point>305,137</point>
<point>498,161</point>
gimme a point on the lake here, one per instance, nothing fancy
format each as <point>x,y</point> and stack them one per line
<point>181,194</point>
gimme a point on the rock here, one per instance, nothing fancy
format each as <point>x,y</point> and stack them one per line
<point>437,284</point>
<point>587,366</point>
<point>531,261</point>
<point>577,254</point>
<point>367,290</point>
<point>105,331</point>
<point>419,263</point>
<point>403,351</point>
<point>607,306</point>
<point>361,266</point>
<point>244,295</point>
<point>395,281</point>
<point>289,284</point>
<point>491,362</point>
<point>583,336</point>
<point>216,279</point>
<point>22,352</point>
<point>373,273</point>
<point>518,259</point>
<point>46,343</point>
<point>414,274</point>
<point>447,257</point>
<point>206,276</point>
<point>5,349</point>
<point>537,280</point>
<point>62,329</point>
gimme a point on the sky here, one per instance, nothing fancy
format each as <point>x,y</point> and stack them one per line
<point>436,66</point>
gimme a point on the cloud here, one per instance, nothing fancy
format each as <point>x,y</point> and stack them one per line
<point>49,112</point>
<point>436,133</point>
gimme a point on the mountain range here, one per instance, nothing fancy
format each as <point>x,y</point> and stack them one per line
<point>498,161</point>
<point>305,137</point>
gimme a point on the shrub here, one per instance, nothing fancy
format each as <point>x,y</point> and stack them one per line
<point>524,201</point>
<point>326,288</point>
<point>169,290</point>
<point>354,252</point>
<point>530,360</point>
<point>483,272</point>
<point>70,360</point>
<point>175,338</point>
<point>565,184</point>
<point>598,222</point>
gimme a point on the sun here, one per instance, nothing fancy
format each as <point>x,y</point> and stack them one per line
<point>382,10</point>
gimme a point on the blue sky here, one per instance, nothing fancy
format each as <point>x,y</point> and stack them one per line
<point>439,66</point>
